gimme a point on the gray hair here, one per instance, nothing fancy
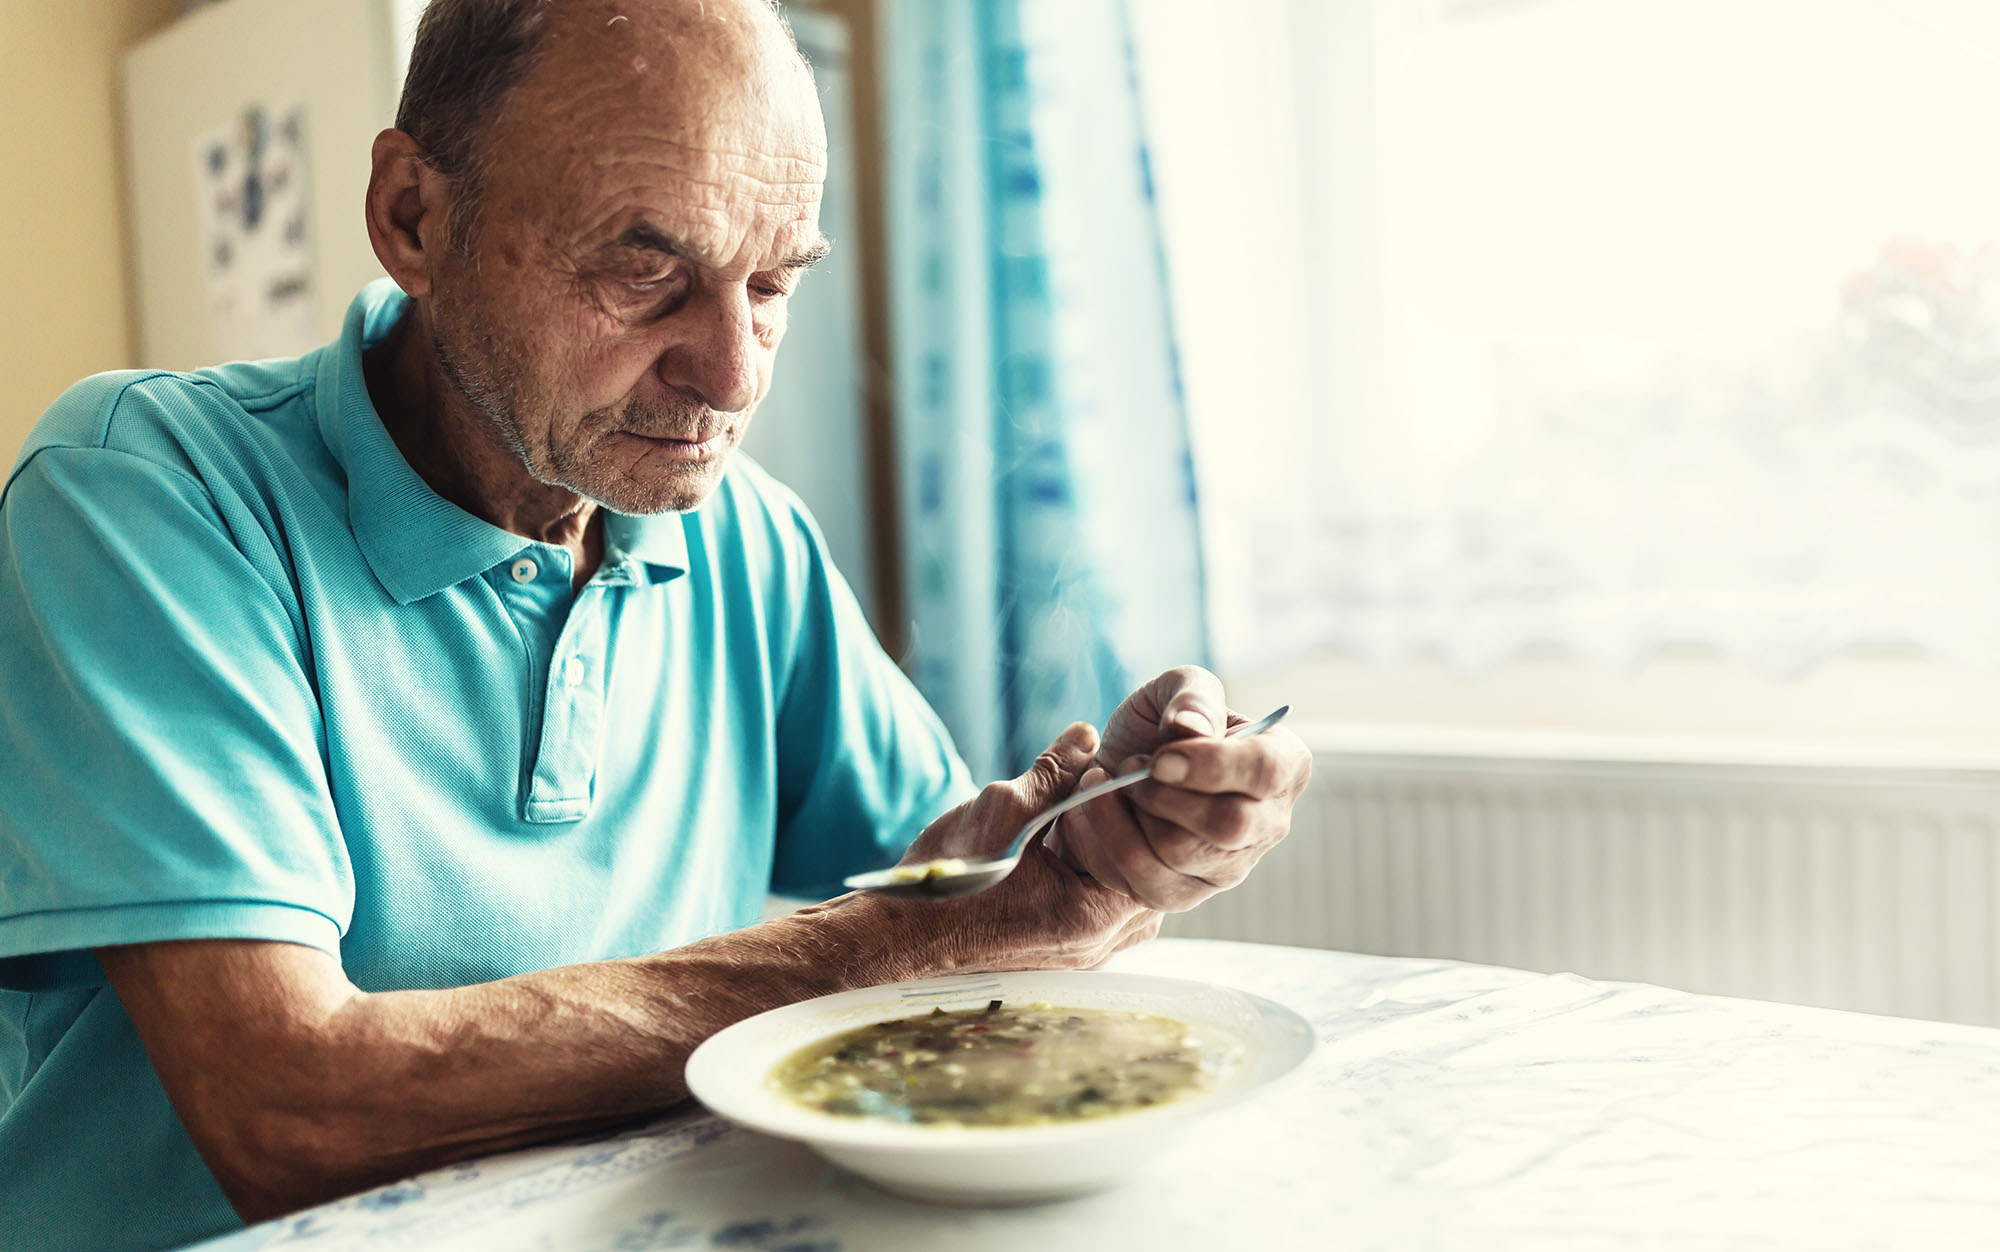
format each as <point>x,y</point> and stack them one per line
<point>468,56</point>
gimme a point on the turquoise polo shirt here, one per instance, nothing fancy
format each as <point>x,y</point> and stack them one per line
<point>258,681</point>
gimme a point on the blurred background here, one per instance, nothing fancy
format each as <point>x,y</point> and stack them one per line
<point>1585,412</point>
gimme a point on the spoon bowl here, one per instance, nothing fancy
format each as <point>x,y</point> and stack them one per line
<point>942,885</point>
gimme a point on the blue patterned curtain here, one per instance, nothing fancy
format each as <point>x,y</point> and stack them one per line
<point>1050,547</point>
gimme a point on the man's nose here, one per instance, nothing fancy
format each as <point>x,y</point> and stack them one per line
<point>715,359</point>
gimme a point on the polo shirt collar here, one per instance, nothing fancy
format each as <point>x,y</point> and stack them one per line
<point>657,545</point>
<point>416,541</point>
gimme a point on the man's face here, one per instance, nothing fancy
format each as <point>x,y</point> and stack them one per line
<point>652,199</point>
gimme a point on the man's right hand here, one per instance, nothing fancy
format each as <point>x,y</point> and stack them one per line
<point>1045,914</point>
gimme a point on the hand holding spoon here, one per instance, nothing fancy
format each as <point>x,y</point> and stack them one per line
<point>959,876</point>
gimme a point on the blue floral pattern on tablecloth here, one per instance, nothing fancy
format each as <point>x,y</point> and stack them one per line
<point>489,1204</point>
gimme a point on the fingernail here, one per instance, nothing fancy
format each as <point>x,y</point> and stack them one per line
<point>1193,722</point>
<point>1170,767</point>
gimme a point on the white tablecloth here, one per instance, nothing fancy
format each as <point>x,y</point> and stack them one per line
<point>1448,1106</point>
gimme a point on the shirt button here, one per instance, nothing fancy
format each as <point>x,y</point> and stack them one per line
<point>523,570</point>
<point>573,671</point>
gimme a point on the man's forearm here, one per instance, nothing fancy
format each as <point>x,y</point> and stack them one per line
<point>335,1090</point>
<point>296,1087</point>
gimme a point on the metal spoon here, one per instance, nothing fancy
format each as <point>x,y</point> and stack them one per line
<point>956,876</point>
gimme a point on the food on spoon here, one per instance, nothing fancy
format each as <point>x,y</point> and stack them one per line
<point>1002,1066</point>
<point>942,867</point>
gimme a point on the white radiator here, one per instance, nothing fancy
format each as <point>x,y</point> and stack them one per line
<point>1859,884</point>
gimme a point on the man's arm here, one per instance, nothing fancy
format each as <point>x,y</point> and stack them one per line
<point>296,1087</point>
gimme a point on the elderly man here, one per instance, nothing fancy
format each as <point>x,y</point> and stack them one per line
<point>398,742</point>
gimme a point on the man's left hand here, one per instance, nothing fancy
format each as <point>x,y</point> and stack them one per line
<point>1214,805</point>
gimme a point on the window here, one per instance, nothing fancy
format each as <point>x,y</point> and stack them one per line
<point>1592,331</point>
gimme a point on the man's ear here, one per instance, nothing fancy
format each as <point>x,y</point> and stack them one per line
<point>407,205</point>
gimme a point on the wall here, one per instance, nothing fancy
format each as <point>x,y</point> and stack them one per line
<point>63,261</point>
<point>1811,881</point>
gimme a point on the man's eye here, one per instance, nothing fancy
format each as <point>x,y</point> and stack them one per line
<point>644,299</point>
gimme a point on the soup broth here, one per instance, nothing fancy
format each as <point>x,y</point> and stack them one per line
<point>1001,1066</point>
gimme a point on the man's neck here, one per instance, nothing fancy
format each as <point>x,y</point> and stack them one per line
<point>459,454</point>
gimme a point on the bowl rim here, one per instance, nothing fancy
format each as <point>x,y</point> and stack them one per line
<point>732,1083</point>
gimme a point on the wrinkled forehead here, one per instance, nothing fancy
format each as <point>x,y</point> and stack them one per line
<point>686,58</point>
<point>701,109</point>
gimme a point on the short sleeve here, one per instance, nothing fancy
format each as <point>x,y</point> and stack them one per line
<point>864,764</point>
<point>161,764</point>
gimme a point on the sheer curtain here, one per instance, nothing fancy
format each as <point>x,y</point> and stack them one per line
<point>1587,326</point>
<point>1050,547</point>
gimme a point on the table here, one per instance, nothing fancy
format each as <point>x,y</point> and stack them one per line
<point>1448,1106</point>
